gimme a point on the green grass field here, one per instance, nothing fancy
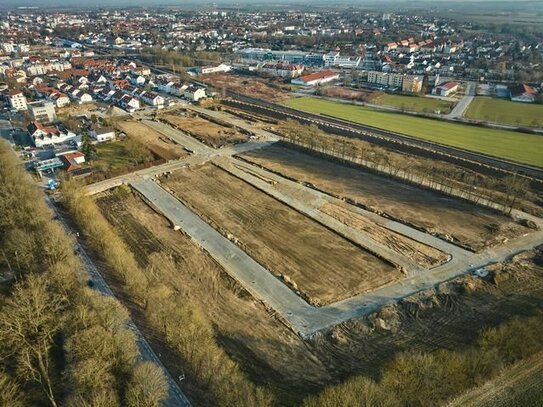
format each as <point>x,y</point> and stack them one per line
<point>414,103</point>
<point>505,112</point>
<point>523,148</point>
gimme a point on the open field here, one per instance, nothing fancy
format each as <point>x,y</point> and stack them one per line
<point>414,103</point>
<point>465,223</point>
<point>248,85</point>
<point>505,112</point>
<point>154,141</point>
<point>267,350</point>
<point>323,266</point>
<point>271,354</point>
<point>119,157</point>
<point>422,254</point>
<point>519,386</point>
<point>523,148</point>
<point>205,130</point>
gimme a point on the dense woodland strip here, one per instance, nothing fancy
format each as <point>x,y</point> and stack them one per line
<point>61,343</point>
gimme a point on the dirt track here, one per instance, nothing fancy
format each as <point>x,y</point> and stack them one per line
<point>154,141</point>
<point>321,264</point>
<point>466,223</point>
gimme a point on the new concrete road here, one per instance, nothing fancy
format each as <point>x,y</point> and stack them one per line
<point>233,121</point>
<point>202,154</point>
<point>176,398</point>
<point>255,278</point>
<point>298,314</point>
<point>464,103</point>
<point>294,189</point>
<point>177,136</point>
<point>312,211</point>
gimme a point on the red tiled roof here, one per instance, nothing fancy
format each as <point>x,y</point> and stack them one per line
<point>327,73</point>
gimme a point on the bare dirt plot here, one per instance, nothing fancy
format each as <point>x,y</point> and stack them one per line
<point>271,354</point>
<point>267,350</point>
<point>454,219</point>
<point>422,254</point>
<point>248,85</point>
<point>154,141</point>
<point>323,266</point>
<point>206,131</point>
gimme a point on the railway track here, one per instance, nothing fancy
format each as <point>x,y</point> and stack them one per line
<point>468,159</point>
<point>480,162</point>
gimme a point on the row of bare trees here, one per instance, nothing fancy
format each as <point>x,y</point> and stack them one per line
<point>180,323</point>
<point>503,194</point>
<point>61,343</point>
<point>416,379</point>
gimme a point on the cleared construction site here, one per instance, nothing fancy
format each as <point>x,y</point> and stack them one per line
<point>311,264</point>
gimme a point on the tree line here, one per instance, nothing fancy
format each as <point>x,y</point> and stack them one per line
<point>61,343</point>
<point>178,60</point>
<point>180,323</point>
<point>418,379</point>
<point>504,194</point>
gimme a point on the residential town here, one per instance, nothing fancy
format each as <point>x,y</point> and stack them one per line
<point>285,204</point>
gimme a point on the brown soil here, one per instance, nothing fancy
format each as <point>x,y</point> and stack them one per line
<point>266,349</point>
<point>454,219</point>
<point>248,86</point>
<point>207,132</point>
<point>422,254</point>
<point>158,144</point>
<point>450,317</point>
<point>321,264</point>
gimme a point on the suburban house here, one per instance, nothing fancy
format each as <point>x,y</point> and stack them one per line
<point>102,134</point>
<point>523,93</point>
<point>152,99</point>
<point>445,89</point>
<point>60,99</point>
<point>72,161</point>
<point>194,93</point>
<point>129,103</point>
<point>317,78</point>
<point>177,89</point>
<point>48,135</point>
<point>17,100</point>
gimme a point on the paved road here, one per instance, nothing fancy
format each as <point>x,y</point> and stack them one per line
<point>176,398</point>
<point>178,136</point>
<point>303,318</point>
<point>298,314</point>
<point>255,278</point>
<point>233,121</point>
<point>204,155</point>
<point>312,211</point>
<point>464,103</point>
<point>320,198</point>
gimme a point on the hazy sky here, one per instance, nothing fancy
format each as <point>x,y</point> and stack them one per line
<point>274,4</point>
